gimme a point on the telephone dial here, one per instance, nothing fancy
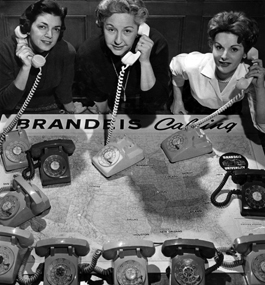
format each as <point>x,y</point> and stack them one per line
<point>52,159</point>
<point>62,258</point>
<point>116,156</point>
<point>251,183</point>
<point>188,257</point>
<point>23,202</point>
<point>14,147</point>
<point>129,260</point>
<point>14,245</point>
<point>185,144</point>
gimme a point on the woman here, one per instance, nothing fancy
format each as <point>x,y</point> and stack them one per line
<point>145,83</point>
<point>213,76</point>
<point>42,26</point>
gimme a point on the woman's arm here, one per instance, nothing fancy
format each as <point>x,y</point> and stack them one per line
<point>177,106</point>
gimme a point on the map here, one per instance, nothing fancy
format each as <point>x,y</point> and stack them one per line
<point>154,199</point>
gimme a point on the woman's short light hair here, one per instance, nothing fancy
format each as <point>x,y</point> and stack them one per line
<point>106,8</point>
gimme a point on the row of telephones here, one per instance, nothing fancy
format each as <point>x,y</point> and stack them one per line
<point>62,264</point>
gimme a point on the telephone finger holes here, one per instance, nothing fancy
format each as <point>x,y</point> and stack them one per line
<point>258,267</point>
<point>176,142</point>
<point>15,151</point>
<point>254,194</point>
<point>108,156</point>
<point>187,271</point>
<point>6,259</point>
<point>9,205</point>
<point>54,166</point>
<point>61,272</point>
<point>130,273</point>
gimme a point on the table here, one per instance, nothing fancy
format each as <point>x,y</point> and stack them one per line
<point>154,199</point>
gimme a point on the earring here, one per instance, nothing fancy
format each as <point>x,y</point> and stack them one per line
<point>244,56</point>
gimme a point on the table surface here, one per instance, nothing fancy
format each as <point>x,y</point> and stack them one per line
<point>49,126</point>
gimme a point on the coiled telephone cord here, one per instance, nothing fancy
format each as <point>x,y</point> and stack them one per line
<point>218,258</point>
<point>21,110</point>
<point>32,279</point>
<point>230,264</point>
<point>116,103</point>
<point>218,190</point>
<point>237,98</point>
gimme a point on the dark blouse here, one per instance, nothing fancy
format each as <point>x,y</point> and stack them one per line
<point>98,69</point>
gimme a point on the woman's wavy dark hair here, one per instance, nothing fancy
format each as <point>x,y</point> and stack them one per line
<point>106,8</point>
<point>42,6</point>
<point>236,23</point>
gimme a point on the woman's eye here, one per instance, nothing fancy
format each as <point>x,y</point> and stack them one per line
<point>128,31</point>
<point>218,47</point>
<point>234,49</point>
<point>58,30</point>
<point>42,27</point>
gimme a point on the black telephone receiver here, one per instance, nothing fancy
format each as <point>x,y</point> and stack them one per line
<point>22,202</point>
<point>14,245</point>
<point>188,257</point>
<point>52,159</point>
<point>129,260</point>
<point>252,191</point>
<point>61,264</point>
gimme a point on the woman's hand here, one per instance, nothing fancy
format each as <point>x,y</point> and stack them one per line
<point>25,54</point>
<point>177,107</point>
<point>257,72</point>
<point>144,45</point>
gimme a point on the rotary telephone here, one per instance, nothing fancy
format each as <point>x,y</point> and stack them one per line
<point>252,257</point>
<point>13,144</point>
<point>129,260</point>
<point>251,183</point>
<point>52,159</point>
<point>21,203</point>
<point>188,258</point>
<point>123,153</point>
<point>192,142</point>
<point>62,259</point>
<point>14,245</point>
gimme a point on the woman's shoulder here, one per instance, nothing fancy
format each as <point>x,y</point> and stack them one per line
<point>90,47</point>
<point>157,37</point>
<point>65,47</point>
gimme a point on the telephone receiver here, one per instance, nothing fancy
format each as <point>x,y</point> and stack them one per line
<point>188,257</point>
<point>252,191</point>
<point>62,257</point>
<point>23,202</point>
<point>52,159</point>
<point>14,149</point>
<point>130,58</point>
<point>14,245</point>
<point>129,259</point>
<point>243,83</point>
<point>37,60</point>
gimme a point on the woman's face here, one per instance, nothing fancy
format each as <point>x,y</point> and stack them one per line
<point>227,53</point>
<point>45,32</point>
<point>120,31</point>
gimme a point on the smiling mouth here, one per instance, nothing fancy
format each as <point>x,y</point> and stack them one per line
<point>47,43</point>
<point>224,63</point>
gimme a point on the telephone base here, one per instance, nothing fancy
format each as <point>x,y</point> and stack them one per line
<point>14,147</point>
<point>186,144</point>
<point>23,209</point>
<point>117,156</point>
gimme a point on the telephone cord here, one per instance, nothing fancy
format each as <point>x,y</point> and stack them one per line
<point>237,98</point>
<point>218,258</point>
<point>88,268</point>
<point>219,188</point>
<point>230,264</point>
<point>21,111</point>
<point>116,103</point>
<point>29,172</point>
<point>32,279</point>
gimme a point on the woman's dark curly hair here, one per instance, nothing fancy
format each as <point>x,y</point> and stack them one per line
<point>106,8</point>
<point>42,6</point>
<point>236,23</point>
